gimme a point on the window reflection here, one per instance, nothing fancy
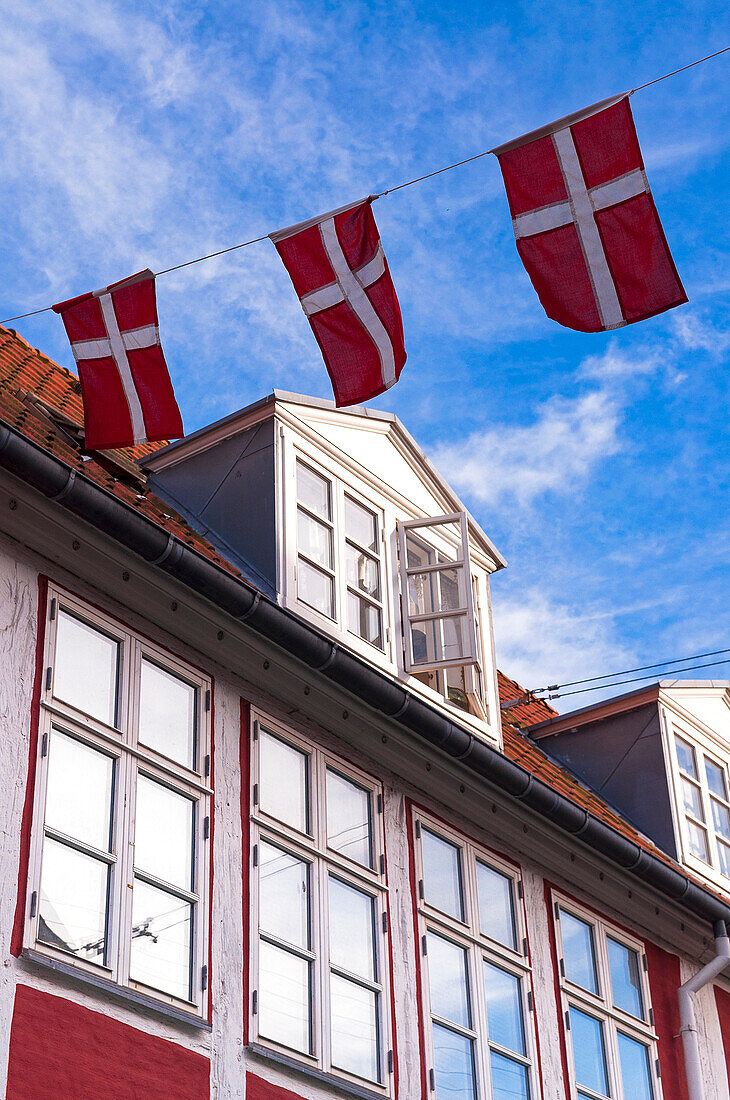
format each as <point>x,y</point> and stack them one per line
<point>73,902</point>
<point>283,772</point>
<point>86,668</point>
<point>167,714</point>
<point>161,940</point>
<point>442,874</point>
<point>348,818</point>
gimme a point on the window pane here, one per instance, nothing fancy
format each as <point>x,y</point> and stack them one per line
<point>283,895</point>
<point>314,539</point>
<point>348,819</point>
<point>351,929</point>
<point>284,997</point>
<point>354,1014</point>
<point>448,980</point>
<point>363,572</point>
<point>453,1064</point>
<point>283,782</point>
<point>589,1054</point>
<point>162,928</point>
<point>509,1079</point>
<point>79,793</point>
<point>439,591</point>
<point>439,640</point>
<point>315,588</point>
<point>716,779</point>
<point>164,833</point>
<point>496,915</point>
<point>73,901</point>
<point>313,491</point>
<point>504,1008</point>
<point>697,841</point>
<point>692,799</point>
<point>360,524</point>
<point>634,1058</point>
<point>721,818</point>
<point>625,978</point>
<point>167,716</point>
<point>85,672</point>
<point>578,951</point>
<point>686,757</point>
<point>442,874</point>
<point>364,620</point>
<point>724,854</point>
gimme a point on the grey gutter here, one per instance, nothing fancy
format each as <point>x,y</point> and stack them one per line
<point>239,599</point>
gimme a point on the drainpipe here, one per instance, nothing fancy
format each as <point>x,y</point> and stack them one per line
<point>687,1019</point>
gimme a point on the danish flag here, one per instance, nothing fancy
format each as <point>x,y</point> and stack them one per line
<point>126,388</point>
<point>585,222</point>
<point>337,265</point>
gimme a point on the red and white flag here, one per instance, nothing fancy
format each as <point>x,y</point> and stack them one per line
<point>585,222</point>
<point>126,388</point>
<point>338,268</point>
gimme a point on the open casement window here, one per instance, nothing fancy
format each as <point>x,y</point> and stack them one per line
<point>704,802</point>
<point>479,1033</point>
<point>440,630</point>
<point>120,846</point>
<point>607,1013</point>
<point>319,952</point>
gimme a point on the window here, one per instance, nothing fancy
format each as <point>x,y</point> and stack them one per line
<point>606,1008</point>
<point>121,801</point>
<point>480,1042</point>
<point>703,788</point>
<point>319,959</point>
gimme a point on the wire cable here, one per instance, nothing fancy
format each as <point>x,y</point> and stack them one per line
<point>636,679</point>
<point>626,671</point>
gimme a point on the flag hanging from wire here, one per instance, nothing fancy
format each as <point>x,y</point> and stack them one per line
<point>127,393</point>
<point>337,265</point>
<point>585,222</point>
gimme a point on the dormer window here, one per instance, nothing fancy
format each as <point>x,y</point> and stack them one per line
<point>704,789</point>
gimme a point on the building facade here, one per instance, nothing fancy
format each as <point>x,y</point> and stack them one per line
<point>274,825</point>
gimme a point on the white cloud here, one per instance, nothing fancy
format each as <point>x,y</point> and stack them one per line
<point>695,333</point>
<point>614,363</point>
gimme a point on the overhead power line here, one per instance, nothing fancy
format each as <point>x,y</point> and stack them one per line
<point>380,194</point>
<point>636,679</point>
<point>626,671</point>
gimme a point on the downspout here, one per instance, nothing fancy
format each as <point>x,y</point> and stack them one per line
<point>687,1019</point>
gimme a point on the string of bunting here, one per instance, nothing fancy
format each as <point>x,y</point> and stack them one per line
<point>586,228</point>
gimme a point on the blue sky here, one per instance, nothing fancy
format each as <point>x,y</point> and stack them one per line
<point>140,134</point>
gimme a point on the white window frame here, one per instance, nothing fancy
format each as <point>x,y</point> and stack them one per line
<point>312,848</point>
<point>121,743</point>
<point>479,948</point>
<point>703,751</point>
<point>600,1005</point>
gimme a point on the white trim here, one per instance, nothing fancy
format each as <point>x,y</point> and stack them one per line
<point>119,354</point>
<point>291,230</point>
<point>332,294</point>
<point>566,120</point>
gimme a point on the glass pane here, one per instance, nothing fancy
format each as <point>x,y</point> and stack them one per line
<point>351,929</point>
<point>284,997</point>
<point>364,620</point>
<point>314,491</point>
<point>363,572</point>
<point>314,539</point>
<point>315,588</point>
<point>447,975</point>
<point>439,640</point>
<point>509,1079</point>
<point>697,841</point>
<point>440,591</point>
<point>85,670</point>
<point>162,928</point>
<point>442,874</point>
<point>79,793</point>
<point>716,779</point>
<point>686,757</point>
<point>634,1058</point>
<point>721,818</point>
<point>360,524</point>
<point>589,1054</point>
<point>692,799</point>
<point>283,772</point>
<point>167,715</point>
<point>164,833</point>
<point>724,854</point>
<point>73,900</point>
<point>453,1058</point>
<point>578,951</point>
<point>504,1008</point>
<point>420,551</point>
<point>496,914</point>
<point>348,819</point>
<point>283,895</point>
<point>625,978</point>
<point>354,1013</point>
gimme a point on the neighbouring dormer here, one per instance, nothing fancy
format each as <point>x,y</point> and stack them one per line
<point>661,755</point>
<point>339,516</point>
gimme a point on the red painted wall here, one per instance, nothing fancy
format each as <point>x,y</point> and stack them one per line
<point>60,1049</point>
<point>258,1089</point>
<point>722,1000</point>
<point>664,981</point>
